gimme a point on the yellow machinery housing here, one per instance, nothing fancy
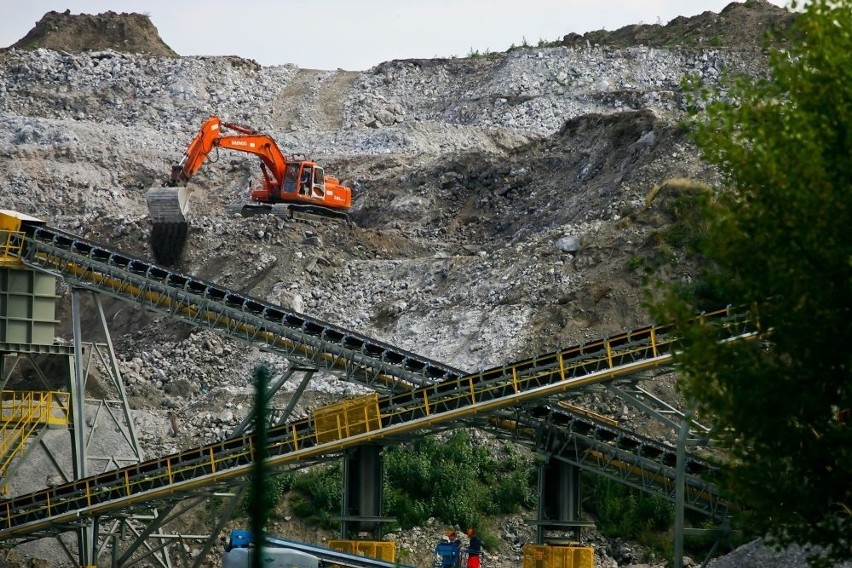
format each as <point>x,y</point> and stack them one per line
<point>380,549</point>
<point>546,556</point>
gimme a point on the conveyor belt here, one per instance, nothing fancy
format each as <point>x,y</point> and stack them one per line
<point>615,453</point>
<point>418,410</point>
<point>298,337</point>
<point>359,358</point>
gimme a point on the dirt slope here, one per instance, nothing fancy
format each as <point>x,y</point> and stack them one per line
<point>740,24</point>
<point>64,31</point>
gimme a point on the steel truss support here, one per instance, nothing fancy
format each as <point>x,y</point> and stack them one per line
<point>146,538</point>
<point>234,501</point>
<point>655,407</point>
<point>161,553</point>
<point>361,506</point>
<point>721,533</point>
<point>308,373</point>
<point>129,528</point>
<point>141,538</point>
<point>109,415</point>
<point>109,362</point>
<point>77,388</point>
<point>559,499</point>
<point>6,370</point>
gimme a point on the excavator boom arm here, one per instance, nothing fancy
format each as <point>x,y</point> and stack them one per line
<point>263,146</point>
<point>196,152</point>
<point>212,135</point>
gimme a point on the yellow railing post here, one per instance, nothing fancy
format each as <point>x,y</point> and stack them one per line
<point>654,351</point>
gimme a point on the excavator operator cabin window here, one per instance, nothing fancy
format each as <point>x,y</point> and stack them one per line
<point>318,189</point>
<point>305,180</point>
<point>290,178</point>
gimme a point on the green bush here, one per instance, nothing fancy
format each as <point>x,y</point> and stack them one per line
<point>276,488</point>
<point>453,480</point>
<point>625,512</point>
<point>318,494</point>
<point>634,263</point>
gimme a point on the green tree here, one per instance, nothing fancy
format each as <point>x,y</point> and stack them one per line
<point>779,239</point>
<point>260,502</point>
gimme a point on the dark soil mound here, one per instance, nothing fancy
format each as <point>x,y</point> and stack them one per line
<point>128,33</point>
<point>740,25</point>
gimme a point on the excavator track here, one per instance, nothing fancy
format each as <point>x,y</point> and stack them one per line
<point>294,211</point>
<point>306,212</point>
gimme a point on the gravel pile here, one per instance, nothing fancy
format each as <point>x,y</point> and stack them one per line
<point>757,554</point>
<point>528,89</point>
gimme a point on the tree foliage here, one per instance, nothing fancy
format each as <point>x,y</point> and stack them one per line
<point>624,512</point>
<point>779,239</point>
<point>318,494</point>
<point>259,499</point>
<point>451,479</point>
<point>455,480</point>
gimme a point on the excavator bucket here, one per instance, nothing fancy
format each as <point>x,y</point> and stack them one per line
<point>167,207</point>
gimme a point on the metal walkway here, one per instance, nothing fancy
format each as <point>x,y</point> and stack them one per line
<point>442,394</point>
<point>23,417</point>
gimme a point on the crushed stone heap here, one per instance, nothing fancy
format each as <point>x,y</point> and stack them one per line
<point>76,33</point>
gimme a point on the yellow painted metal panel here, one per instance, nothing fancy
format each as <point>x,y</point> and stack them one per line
<point>536,556</point>
<point>379,549</point>
<point>11,245</point>
<point>11,237</point>
<point>546,556</point>
<point>572,557</point>
<point>347,418</point>
<point>347,546</point>
<point>9,221</point>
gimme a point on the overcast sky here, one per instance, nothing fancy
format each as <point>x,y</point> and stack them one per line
<point>357,34</point>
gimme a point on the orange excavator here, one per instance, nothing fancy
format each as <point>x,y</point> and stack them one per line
<point>290,186</point>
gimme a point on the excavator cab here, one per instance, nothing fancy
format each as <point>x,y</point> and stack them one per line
<point>299,178</point>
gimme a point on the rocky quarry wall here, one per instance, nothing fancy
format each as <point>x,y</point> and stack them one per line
<point>498,201</point>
